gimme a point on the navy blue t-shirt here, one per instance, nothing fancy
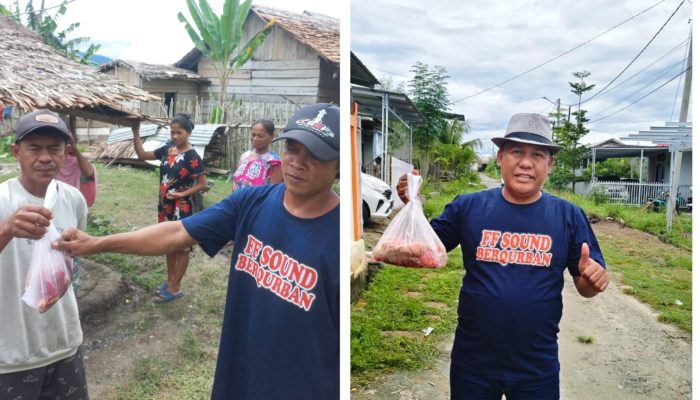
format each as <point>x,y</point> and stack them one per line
<point>280,335</point>
<point>510,303</point>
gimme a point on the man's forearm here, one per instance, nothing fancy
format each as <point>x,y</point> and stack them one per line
<point>86,168</point>
<point>154,240</point>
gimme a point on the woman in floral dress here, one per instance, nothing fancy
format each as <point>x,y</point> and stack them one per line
<point>259,165</point>
<point>181,177</point>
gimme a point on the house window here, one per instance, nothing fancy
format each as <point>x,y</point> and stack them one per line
<point>169,102</point>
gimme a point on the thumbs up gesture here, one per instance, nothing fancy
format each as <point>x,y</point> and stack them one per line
<point>594,278</point>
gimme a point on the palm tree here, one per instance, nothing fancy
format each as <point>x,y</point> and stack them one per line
<point>450,152</point>
<point>218,39</point>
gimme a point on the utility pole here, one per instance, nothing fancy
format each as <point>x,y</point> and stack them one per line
<point>677,156</point>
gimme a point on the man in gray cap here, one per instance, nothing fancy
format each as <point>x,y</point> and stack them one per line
<point>40,355</point>
<point>516,243</point>
<point>280,335</point>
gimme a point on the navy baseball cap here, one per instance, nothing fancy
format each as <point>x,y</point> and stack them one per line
<point>41,119</point>
<point>316,126</point>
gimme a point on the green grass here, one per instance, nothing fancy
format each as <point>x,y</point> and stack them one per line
<point>651,222</point>
<point>585,339</point>
<point>656,278</point>
<point>396,301</point>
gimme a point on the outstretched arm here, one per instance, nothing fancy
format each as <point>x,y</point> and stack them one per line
<point>158,239</point>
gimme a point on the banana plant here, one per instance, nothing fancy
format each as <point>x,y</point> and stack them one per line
<point>218,38</point>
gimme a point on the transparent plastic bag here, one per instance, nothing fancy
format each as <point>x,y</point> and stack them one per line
<point>50,271</point>
<point>409,241</point>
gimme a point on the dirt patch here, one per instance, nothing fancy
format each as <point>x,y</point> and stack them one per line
<point>436,305</point>
<point>433,317</point>
<point>116,337</point>
<point>406,334</point>
<point>413,295</point>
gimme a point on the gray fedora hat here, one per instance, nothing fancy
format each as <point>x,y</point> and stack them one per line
<point>531,129</point>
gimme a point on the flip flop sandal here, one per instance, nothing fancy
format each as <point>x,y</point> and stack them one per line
<point>160,289</point>
<point>166,297</point>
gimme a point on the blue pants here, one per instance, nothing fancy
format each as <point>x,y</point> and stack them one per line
<point>465,386</point>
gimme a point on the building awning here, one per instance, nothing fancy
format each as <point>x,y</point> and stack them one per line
<point>400,106</point>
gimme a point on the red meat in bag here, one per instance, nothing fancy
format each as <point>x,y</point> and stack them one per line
<point>409,240</point>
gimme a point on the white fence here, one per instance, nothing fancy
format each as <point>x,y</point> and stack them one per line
<point>635,193</point>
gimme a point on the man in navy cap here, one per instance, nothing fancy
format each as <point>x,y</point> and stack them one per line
<point>40,354</point>
<point>516,243</point>
<point>280,336</point>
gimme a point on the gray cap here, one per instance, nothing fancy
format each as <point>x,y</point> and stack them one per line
<point>41,119</point>
<point>531,129</point>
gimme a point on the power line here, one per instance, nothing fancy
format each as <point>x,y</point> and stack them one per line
<point>652,81</point>
<point>38,11</point>
<point>638,54</point>
<point>643,97</point>
<point>676,48</point>
<point>559,56</point>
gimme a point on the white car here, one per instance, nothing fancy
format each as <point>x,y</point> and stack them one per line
<point>376,197</point>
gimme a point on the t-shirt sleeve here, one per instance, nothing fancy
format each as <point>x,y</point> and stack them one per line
<point>161,152</point>
<point>583,233</point>
<point>214,226</point>
<point>446,226</point>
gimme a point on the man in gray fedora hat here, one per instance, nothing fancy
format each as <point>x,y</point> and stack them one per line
<point>516,243</point>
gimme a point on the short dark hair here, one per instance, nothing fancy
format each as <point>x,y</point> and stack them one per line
<point>184,121</point>
<point>268,125</point>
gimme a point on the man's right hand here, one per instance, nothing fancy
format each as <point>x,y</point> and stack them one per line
<point>76,243</point>
<point>402,186</point>
<point>28,222</point>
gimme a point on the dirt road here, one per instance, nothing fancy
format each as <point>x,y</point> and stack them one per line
<point>633,355</point>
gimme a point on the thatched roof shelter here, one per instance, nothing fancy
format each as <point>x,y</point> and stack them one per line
<point>33,75</point>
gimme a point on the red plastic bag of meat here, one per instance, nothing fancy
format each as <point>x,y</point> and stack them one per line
<point>409,241</point>
<point>50,271</point>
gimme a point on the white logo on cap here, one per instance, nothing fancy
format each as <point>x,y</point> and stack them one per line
<point>316,124</point>
<point>48,118</point>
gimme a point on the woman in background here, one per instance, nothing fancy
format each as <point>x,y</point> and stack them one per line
<point>259,165</point>
<point>181,177</point>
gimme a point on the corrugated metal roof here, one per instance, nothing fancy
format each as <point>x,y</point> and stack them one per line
<point>201,134</point>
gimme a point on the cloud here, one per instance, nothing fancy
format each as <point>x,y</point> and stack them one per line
<point>483,43</point>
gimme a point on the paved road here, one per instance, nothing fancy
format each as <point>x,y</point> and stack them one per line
<point>488,181</point>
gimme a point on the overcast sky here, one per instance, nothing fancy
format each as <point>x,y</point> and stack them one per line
<point>148,30</point>
<point>484,42</point>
